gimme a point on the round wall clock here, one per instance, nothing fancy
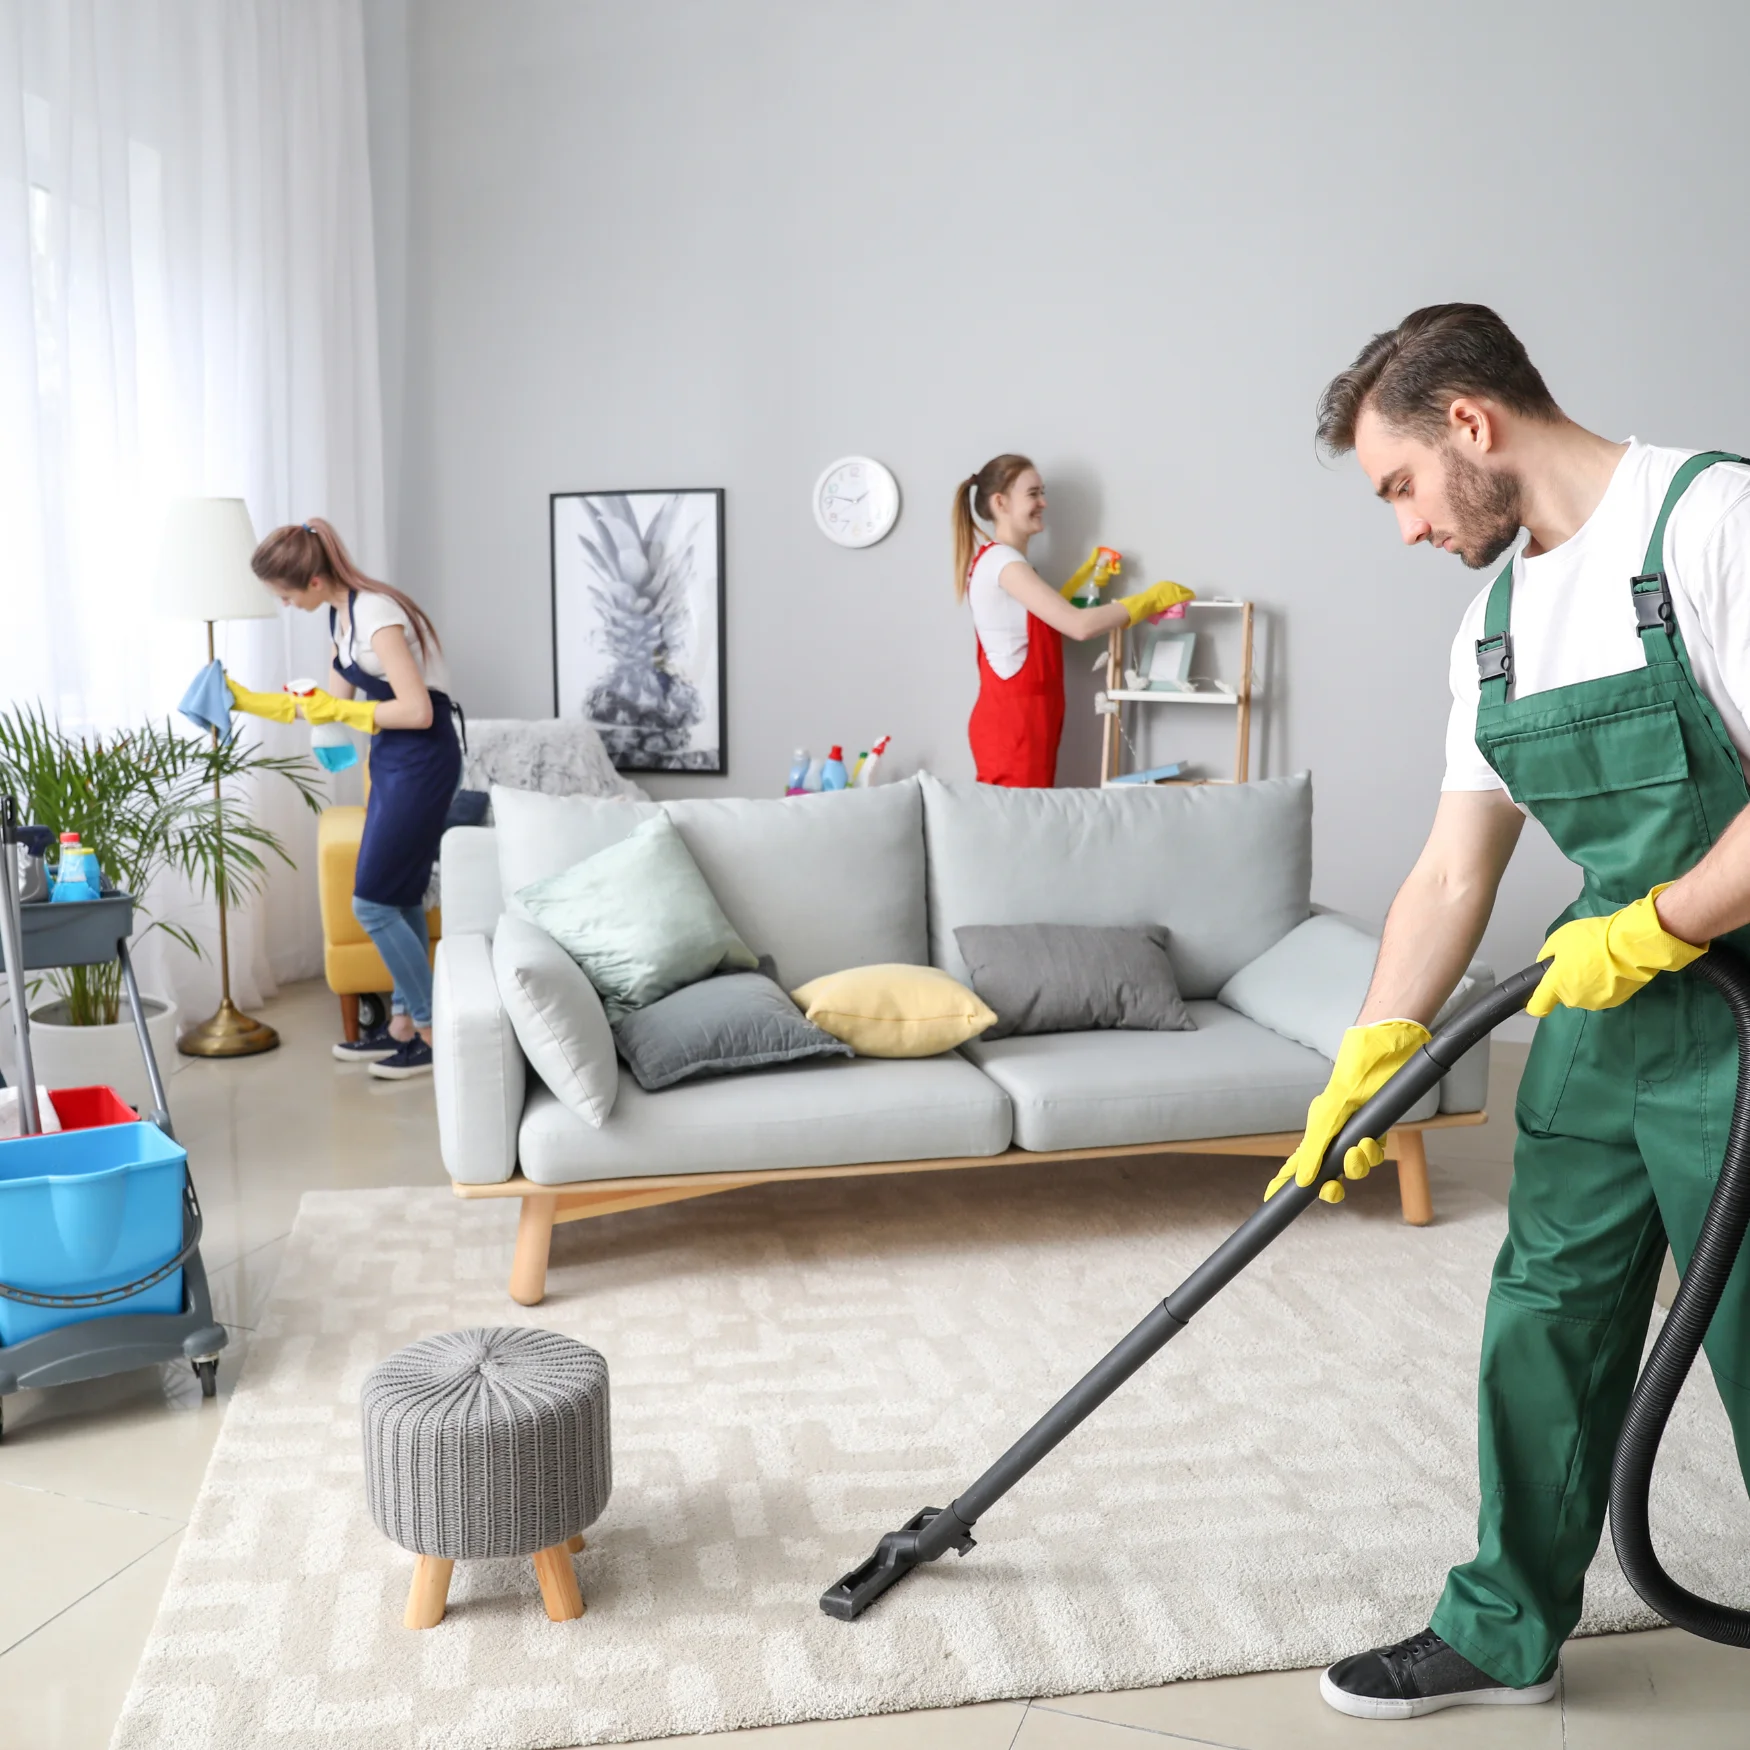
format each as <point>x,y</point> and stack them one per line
<point>856,501</point>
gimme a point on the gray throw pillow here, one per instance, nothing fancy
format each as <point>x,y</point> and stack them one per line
<point>737,1020</point>
<point>1073,978</point>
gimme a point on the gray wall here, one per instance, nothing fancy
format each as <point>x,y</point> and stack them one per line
<point>709,244</point>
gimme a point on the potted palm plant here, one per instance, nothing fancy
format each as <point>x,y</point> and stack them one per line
<point>147,801</point>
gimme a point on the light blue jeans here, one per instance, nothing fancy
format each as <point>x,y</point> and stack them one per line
<point>404,942</point>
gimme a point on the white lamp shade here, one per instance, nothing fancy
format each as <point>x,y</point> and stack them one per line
<point>203,563</point>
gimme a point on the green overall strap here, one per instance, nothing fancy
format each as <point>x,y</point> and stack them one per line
<point>1654,619</point>
<point>1495,647</point>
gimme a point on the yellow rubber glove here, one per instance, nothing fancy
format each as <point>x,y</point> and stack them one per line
<point>1156,599</point>
<point>1366,1060</point>
<point>1096,566</point>
<point>276,707</point>
<point>321,706</point>
<point>1600,962</point>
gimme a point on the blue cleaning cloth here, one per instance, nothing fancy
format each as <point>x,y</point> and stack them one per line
<point>207,703</point>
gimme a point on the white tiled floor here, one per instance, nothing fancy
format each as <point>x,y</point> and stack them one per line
<point>96,1480</point>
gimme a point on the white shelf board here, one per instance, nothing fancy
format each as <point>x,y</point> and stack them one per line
<point>1155,698</point>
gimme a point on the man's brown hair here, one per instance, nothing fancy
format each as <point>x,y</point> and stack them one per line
<point>1411,374</point>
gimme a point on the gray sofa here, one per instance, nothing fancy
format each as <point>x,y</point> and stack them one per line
<point>827,882</point>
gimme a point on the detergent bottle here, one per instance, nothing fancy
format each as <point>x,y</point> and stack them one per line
<point>76,874</point>
<point>797,782</point>
<point>832,774</point>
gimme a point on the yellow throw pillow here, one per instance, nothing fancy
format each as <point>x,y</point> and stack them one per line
<point>894,1011</point>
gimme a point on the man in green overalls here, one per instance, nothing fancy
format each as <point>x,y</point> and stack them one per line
<point>1601,682</point>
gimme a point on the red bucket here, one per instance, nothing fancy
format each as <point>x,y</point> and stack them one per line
<point>91,1108</point>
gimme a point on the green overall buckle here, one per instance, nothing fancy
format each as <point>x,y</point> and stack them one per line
<point>1494,657</point>
<point>1652,602</point>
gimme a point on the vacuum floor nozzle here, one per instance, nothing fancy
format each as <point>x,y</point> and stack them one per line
<point>895,1556</point>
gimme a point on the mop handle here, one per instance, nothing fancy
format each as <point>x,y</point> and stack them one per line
<point>30,1121</point>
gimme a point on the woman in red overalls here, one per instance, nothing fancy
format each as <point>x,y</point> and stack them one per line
<point>1021,622</point>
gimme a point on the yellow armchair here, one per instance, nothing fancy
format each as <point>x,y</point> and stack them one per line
<point>350,959</point>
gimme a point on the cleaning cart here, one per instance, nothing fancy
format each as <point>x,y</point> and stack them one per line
<point>100,1227</point>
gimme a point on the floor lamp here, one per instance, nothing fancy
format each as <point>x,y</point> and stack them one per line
<point>203,574</point>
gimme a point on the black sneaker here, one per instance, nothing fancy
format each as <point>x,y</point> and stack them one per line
<point>411,1059</point>
<point>372,1048</point>
<point>1419,1676</point>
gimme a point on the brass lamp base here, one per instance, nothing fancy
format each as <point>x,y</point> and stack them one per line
<point>230,1033</point>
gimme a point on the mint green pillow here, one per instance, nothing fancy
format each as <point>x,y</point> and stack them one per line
<point>638,918</point>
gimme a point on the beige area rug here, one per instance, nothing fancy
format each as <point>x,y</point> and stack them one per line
<point>797,1369</point>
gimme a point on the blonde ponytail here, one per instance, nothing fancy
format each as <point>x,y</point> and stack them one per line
<point>972,497</point>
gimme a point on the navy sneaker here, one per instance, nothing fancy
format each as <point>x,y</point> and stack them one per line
<point>410,1060</point>
<point>1420,1675</point>
<point>370,1048</point>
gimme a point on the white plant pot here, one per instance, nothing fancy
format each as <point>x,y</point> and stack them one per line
<point>88,1057</point>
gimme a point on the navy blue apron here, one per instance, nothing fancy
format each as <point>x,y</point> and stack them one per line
<point>414,774</point>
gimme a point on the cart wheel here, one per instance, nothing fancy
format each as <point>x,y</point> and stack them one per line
<point>373,1012</point>
<point>207,1372</point>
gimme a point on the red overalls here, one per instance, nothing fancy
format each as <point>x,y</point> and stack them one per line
<point>1017,723</point>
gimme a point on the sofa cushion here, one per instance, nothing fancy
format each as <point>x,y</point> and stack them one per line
<point>1072,978</point>
<point>736,1021</point>
<point>538,836</point>
<point>1230,1077</point>
<point>1226,868</point>
<point>818,882</point>
<point>834,1113</point>
<point>558,1018</point>
<point>638,917</point>
<point>894,1010</point>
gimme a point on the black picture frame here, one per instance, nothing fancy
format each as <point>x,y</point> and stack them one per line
<point>614,659</point>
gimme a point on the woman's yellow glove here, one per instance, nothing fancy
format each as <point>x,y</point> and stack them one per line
<point>1097,566</point>
<point>1156,599</point>
<point>321,706</point>
<point>1600,962</point>
<point>276,707</point>
<point>1367,1059</point>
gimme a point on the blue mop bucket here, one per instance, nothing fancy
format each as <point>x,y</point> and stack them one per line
<point>84,1211</point>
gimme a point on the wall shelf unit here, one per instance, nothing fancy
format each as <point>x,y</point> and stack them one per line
<point>1111,702</point>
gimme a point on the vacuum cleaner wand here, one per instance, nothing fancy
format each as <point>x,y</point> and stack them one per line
<point>935,1530</point>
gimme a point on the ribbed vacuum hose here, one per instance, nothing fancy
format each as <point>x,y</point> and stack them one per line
<point>1692,1311</point>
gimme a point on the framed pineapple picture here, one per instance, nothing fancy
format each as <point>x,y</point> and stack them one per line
<point>638,636</point>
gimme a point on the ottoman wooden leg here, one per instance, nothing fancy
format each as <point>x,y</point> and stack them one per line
<point>558,1582</point>
<point>575,1542</point>
<point>429,1592</point>
<point>349,1019</point>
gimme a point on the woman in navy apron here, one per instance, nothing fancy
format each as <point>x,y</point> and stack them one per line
<point>389,680</point>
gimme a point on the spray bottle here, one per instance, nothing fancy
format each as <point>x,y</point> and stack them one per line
<point>867,768</point>
<point>1109,562</point>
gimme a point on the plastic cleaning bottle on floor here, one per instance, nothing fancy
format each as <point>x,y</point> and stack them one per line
<point>797,782</point>
<point>832,774</point>
<point>76,874</point>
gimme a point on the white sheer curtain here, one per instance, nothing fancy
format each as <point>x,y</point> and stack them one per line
<point>187,305</point>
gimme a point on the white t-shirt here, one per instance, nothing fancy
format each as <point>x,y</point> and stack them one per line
<point>1000,620</point>
<point>1574,619</point>
<point>374,613</point>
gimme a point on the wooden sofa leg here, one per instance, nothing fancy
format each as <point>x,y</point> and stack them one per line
<point>1413,1192</point>
<point>534,1236</point>
<point>349,1019</point>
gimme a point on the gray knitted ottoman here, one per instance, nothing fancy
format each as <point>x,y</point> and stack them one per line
<point>489,1442</point>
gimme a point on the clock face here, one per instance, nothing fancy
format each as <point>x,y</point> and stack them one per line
<point>856,502</point>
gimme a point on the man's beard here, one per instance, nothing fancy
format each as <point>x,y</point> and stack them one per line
<point>1485,510</point>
